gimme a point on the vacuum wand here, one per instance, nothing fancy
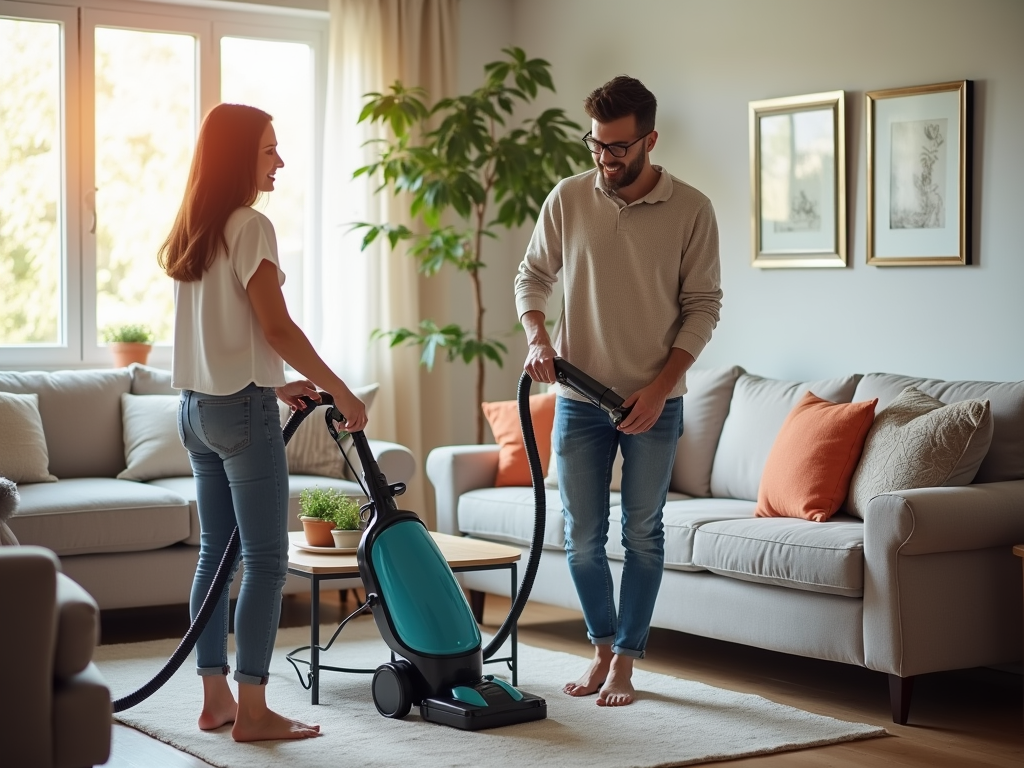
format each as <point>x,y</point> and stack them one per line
<point>597,393</point>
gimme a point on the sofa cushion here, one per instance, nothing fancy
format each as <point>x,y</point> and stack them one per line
<point>682,517</point>
<point>1005,457</point>
<point>185,487</point>
<point>917,442</point>
<point>147,380</point>
<point>152,446</point>
<point>788,552</point>
<point>503,419</point>
<point>23,454</point>
<point>81,413</point>
<point>808,470</point>
<point>705,406</point>
<point>88,515</point>
<point>507,515</point>
<point>756,412</point>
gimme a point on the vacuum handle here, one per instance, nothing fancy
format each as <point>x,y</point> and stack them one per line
<point>603,397</point>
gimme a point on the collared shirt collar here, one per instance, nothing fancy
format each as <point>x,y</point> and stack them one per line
<point>662,190</point>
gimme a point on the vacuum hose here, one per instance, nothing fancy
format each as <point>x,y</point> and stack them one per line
<point>539,521</point>
<point>220,581</point>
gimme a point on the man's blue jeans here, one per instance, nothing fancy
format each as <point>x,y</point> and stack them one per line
<point>237,454</point>
<point>585,442</point>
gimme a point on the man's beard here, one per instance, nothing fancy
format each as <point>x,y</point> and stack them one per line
<point>629,174</point>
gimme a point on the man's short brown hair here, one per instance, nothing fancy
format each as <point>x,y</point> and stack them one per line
<point>620,97</point>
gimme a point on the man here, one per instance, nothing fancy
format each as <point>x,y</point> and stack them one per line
<point>638,253</point>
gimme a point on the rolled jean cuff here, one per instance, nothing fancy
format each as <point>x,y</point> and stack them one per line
<point>618,650</point>
<point>602,640</point>
<point>212,671</point>
<point>250,679</point>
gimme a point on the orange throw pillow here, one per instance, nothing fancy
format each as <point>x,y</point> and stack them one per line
<point>808,470</point>
<point>513,464</point>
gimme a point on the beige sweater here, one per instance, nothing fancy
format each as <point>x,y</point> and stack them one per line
<point>639,279</point>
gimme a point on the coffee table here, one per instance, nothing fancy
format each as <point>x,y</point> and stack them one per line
<point>462,554</point>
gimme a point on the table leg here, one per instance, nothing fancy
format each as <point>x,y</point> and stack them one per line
<point>314,640</point>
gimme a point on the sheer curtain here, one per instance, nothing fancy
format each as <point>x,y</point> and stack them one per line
<point>372,44</point>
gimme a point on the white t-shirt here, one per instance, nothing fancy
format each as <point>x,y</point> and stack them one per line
<point>219,346</point>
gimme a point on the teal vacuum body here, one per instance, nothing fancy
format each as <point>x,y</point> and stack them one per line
<point>424,617</point>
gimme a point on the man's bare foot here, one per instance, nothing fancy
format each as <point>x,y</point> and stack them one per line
<point>270,726</point>
<point>618,690</point>
<point>594,677</point>
<point>219,707</point>
<point>257,722</point>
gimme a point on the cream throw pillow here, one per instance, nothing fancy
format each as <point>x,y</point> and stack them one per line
<point>920,442</point>
<point>312,451</point>
<point>152,447</point>
<point>23,454</point>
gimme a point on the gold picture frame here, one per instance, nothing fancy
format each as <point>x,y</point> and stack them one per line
<point>918,163</point>
<point>798,181</point>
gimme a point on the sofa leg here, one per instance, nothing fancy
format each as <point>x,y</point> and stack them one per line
<point>476,604</point>
<point>900,691</point>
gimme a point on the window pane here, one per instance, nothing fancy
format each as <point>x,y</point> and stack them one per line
<point>145,132</point>
<point>277,77</point>
<point>31,214</point>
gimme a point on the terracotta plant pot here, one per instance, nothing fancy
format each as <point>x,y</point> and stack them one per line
<point>128,352</point>
<point>346,539</point>
<point>318,532</point>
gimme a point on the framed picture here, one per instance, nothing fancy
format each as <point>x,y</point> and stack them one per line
<point>919,175</point>
<point>798,180</point>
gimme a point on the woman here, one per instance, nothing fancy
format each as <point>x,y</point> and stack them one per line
<point>232,335</point>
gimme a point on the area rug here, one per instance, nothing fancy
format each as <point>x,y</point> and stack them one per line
<point>673,722</point>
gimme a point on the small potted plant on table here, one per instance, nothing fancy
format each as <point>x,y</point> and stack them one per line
<point>129,343</point>
<point>329,518</point>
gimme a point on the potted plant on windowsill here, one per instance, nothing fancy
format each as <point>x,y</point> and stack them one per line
<point>326,510</point>
<point>129,343</point>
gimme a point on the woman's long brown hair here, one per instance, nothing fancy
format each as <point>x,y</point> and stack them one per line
<point>221,179</point>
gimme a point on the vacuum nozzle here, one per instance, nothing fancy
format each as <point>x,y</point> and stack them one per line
<point>597,393</point>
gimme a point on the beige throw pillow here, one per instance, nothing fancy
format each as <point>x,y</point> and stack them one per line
<point>23,454</point>
<point>312,451</point>
<point>920,442</point>
<point>152,447</point>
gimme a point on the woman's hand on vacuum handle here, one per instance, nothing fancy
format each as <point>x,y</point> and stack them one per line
<point>540,356</point>
<point>291,394</point>
<point>352,408</point>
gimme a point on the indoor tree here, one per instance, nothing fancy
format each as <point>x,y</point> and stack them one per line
<point>461,160</point>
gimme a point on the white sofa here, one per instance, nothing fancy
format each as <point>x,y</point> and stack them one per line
<point>121,515</point>
<point>925,582</point>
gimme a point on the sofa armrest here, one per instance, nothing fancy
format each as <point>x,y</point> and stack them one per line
<point>28,593</point>
<point>395,460</point>
<point>455,469</point>
<point>927,520</point>
<point>938,564</point>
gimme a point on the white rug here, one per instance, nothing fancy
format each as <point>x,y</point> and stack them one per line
<point>673,722</point>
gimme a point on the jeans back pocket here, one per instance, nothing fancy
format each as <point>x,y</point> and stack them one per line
<point>225,423</point>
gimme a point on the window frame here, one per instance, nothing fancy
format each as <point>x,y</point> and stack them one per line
<point>208,22</point>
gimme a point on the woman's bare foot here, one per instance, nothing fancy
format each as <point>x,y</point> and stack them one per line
<point>594,677</point>
<point>618,690</point>
<point>257,722</point>
<point>219,707</point>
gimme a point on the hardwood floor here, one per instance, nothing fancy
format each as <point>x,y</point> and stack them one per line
<point>957,719</point>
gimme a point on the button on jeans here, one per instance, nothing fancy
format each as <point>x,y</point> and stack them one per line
<point>237,454</point>
<point>585,442</point>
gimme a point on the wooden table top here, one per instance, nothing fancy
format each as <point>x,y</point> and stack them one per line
<point>459,551</point>
<point>1019,550</point>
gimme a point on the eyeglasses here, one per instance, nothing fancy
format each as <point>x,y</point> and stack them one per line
<point>615,150</point>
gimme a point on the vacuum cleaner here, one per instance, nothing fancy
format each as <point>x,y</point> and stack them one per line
<point>417,603</point>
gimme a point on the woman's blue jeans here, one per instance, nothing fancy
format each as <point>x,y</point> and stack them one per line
<point>237,453</point>
<point>585,443</point>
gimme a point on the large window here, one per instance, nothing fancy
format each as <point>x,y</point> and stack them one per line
<point>100,104</point>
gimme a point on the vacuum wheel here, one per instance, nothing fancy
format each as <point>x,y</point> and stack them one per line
<point>392,689</point>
